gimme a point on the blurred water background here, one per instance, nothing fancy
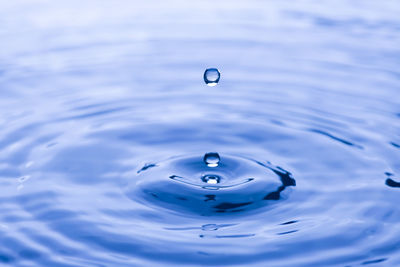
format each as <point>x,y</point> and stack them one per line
<point>105,119</point>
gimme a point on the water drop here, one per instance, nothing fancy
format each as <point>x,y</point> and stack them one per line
<point>211,159</point>
<point>211,179</point>
<point>211,76</point>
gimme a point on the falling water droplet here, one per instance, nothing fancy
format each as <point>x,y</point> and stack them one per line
<point>211,179</point>
<point>211,76</point>
<point>211,159</point>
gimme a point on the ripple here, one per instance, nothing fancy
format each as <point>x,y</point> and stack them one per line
<point>336,138</point>
<point>395,145</point>
<point>105,125</point>
<point>235,184</point>
<point>392,183</point>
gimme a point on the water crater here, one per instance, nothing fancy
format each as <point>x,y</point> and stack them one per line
<point>188,184</point>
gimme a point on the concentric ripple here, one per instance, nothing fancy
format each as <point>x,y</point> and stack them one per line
<point>114,152</point>
<point>234,184</point>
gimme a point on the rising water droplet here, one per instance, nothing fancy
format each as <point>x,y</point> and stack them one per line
<point>211,159</point>
<point>211,76</point>
<point>211,179</point>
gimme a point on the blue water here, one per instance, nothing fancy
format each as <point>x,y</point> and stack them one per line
<point>105,120</point>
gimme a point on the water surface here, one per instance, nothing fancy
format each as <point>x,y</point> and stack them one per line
<point>105,120</point>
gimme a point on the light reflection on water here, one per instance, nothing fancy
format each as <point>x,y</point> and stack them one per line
<point>103,102</point>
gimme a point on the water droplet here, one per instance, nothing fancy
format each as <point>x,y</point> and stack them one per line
<point>211,159</point>
<point>211,179</point>
<point>211,76</point>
